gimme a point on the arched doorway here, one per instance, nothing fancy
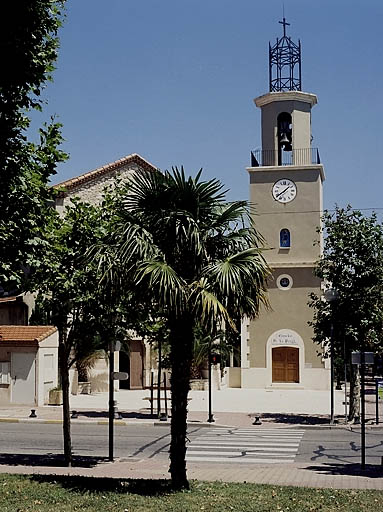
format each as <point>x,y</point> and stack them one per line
<point>285,361</point>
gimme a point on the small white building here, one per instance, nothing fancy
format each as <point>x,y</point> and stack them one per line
<point>28,364</point>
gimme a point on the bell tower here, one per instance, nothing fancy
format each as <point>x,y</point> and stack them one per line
<point>286,178</point>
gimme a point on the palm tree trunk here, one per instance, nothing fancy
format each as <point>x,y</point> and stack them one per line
<point>64,374</point>
<point>181,340</point>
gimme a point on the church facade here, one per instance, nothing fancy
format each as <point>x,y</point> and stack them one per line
<point>89,187</point>
<point>286,180</point>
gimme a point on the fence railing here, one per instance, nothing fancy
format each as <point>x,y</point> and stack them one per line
<point>265,157</point>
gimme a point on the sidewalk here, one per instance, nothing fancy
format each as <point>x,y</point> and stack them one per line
<point>231,407</point>
<point>336,476</point>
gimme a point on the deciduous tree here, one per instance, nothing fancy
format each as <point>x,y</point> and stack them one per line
<point>352,263</point>
<point>69,293</point>
<point>28,46</point>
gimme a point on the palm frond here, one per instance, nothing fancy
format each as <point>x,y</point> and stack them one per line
<point>163,283</point>
<point>241,279</point>
<point>207,307</point>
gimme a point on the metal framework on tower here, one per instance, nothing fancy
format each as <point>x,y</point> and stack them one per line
<point>285,64</point>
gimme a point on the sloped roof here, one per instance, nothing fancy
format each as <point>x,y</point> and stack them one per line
<point>134,158</point>
<point>12,298</point>
<point>31,333</point>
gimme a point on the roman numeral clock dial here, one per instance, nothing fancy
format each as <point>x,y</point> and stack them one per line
<point>284,191</point>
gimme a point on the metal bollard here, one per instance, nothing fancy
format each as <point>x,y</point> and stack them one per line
<point>117,414</point>
<point>163,416</point>
<point>257,420</point>
<point>33,413</point>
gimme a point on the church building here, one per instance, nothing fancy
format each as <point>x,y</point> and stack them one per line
<point>286,179</point>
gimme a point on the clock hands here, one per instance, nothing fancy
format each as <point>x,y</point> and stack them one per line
<point>283,191</point>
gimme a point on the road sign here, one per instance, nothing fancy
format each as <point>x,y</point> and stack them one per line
<point>120,376</point>
<point>380,389</point>
<point>357,356</point>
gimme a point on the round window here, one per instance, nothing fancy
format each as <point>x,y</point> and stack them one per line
<point>284,282</point>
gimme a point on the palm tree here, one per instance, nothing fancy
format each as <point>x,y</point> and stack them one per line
<point>198,259</point>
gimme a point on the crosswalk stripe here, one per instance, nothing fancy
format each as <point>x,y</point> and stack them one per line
<point>246,460</point>
<point>282,439</point>
<point>246,448</point>
<point>237,454</point>
<point>242,442</point>
<point>249,446</point>
<point>255,432</point>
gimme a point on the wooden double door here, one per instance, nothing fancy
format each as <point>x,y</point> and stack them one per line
<point>285,364</point>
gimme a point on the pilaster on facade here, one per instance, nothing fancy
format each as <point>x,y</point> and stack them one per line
<point>245,338</point>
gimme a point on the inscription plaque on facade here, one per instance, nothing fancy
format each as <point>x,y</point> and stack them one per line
<point>284,337</point>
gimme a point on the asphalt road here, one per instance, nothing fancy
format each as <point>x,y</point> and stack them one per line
<point>308,446</point>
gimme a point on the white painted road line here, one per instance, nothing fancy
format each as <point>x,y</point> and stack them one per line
<point>247,448</point>
<point>243,460</point>
<point>238,454</point>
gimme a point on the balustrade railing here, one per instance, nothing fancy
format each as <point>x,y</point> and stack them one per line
<point>271,157</point>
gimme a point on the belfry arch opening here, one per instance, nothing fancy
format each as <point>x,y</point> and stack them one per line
<point>285,136</point>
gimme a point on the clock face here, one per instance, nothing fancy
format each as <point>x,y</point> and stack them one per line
<point>284,190</point>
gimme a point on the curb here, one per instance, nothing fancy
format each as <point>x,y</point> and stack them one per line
<point>153,423</point>
<point>196,423</point>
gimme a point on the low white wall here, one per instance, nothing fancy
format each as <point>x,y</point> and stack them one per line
<point>317,379</point>
<point>231,377</point>
<point>46,368</point>
<point>257,378</point>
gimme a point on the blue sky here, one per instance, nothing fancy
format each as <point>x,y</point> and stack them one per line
<point>175,80</point>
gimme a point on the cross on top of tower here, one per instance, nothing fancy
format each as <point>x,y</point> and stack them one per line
<point>284,23</point>
<point>285,63</point>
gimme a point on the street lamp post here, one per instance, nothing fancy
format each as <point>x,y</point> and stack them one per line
<point>331,295</point>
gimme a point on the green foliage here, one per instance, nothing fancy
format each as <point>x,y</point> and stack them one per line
<point>194,252</point>
<point>28,45</point>
<point>182,251</point>
<point>353,264</point>
<point>69,295</point>
<point>45,493</point>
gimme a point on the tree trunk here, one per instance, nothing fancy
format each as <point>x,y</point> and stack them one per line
<point>354,409</point>
<point>181,340</point>
<point>64,374</point>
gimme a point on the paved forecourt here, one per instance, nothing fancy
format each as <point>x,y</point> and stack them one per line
<point>245,445</point>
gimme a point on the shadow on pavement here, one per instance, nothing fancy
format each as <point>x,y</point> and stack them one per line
<point>140,415</point>
<point>143,487</point>
<point>298,419</point>
<point>370,471</point>
<point>50,459</point>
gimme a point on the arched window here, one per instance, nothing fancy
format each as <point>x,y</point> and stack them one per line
<point>284,238</point>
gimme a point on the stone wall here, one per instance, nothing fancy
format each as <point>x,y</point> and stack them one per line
<point>91,191</point>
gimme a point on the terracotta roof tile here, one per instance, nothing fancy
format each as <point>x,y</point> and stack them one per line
<point>35,333</point>
<point>88,176</point>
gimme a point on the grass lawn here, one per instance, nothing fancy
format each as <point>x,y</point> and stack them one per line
<point>58,494</point>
